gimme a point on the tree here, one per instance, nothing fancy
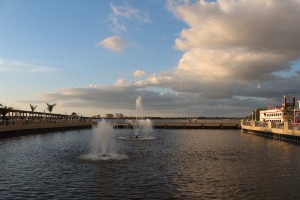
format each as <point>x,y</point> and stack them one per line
<point>50,107</point>
<point>33,107</point>
<point>4,110</point>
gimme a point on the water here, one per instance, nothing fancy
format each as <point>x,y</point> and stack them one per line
<point>178,164</point>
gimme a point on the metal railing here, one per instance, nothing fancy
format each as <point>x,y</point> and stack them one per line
<point>294,126</point>
<point>277,125</point>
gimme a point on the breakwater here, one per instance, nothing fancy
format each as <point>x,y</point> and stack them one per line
<point>282,131</point>
<point>189,124</point>
<point>21,127</point>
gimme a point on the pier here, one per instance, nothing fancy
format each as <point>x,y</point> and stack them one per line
<point>285,131</point>
<point>193,124</point>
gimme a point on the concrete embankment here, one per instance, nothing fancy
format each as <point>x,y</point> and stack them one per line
<point>22,129</point>
<point>193,124</point>
<point>282,131</point>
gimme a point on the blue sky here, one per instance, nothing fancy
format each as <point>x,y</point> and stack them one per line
<point>184,58</point>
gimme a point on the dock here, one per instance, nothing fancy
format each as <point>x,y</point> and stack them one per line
<point>285,131</point>
<point>193,124</point>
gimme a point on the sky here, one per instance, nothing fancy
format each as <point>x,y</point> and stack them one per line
<point>184,58</point>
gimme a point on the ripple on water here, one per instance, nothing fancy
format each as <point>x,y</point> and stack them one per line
<point>104,157</point>
<point>136,139</point>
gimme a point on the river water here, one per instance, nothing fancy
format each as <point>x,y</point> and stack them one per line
<point>178,164</point>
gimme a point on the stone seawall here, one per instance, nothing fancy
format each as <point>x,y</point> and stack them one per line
<point>196,124</point>
<point>21,129</point>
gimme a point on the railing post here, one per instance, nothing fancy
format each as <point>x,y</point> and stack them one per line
<point>269,124</point>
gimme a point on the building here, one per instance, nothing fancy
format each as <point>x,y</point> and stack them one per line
<point>74,115</point>
<point>108,115</point>
<point>118,115</point>
<point>286,112</point>
<point>97,116</point>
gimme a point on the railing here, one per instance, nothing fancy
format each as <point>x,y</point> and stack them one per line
<point>247,123</point>
<point>277,125</point>
<point>286,128</point>
<point>293,126</point>
<point>261,124</point>
<point>264,124</point>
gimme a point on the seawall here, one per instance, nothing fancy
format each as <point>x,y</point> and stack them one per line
<point>193,124</point>
<point>282,131</point>
<point>20,128</point>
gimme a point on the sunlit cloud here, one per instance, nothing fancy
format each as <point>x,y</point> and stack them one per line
<point>113,43</point>
<point>139,73</point>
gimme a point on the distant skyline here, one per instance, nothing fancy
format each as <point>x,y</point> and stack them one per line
<point>183,57</point>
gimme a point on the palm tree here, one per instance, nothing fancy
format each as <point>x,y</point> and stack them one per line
<point>33,107</point>
<point>50,107</point>
<point>4,110</point>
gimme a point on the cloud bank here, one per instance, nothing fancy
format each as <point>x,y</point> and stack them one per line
<point>237,55</point>
<point>232,46</point>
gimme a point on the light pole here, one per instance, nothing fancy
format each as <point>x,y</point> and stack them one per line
<point>294,114</point>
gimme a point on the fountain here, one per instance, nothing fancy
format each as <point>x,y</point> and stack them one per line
<point>103,144</point>
<point>141,127</point>
<point>102,138</point>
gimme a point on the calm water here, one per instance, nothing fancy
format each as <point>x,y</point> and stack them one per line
<point>178,164</point>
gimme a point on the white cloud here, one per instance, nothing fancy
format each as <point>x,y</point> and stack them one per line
<point>116,43</point>
<point>113,43</point>
<point>139,73</point>
<point>17,66</point>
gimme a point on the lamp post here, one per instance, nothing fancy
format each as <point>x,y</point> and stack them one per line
<point>294,114</point>
<point>256,114</point>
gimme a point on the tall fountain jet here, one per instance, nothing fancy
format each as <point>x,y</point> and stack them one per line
<point>141,127</point>
<point>102,142</point>
<point>138,112</point>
